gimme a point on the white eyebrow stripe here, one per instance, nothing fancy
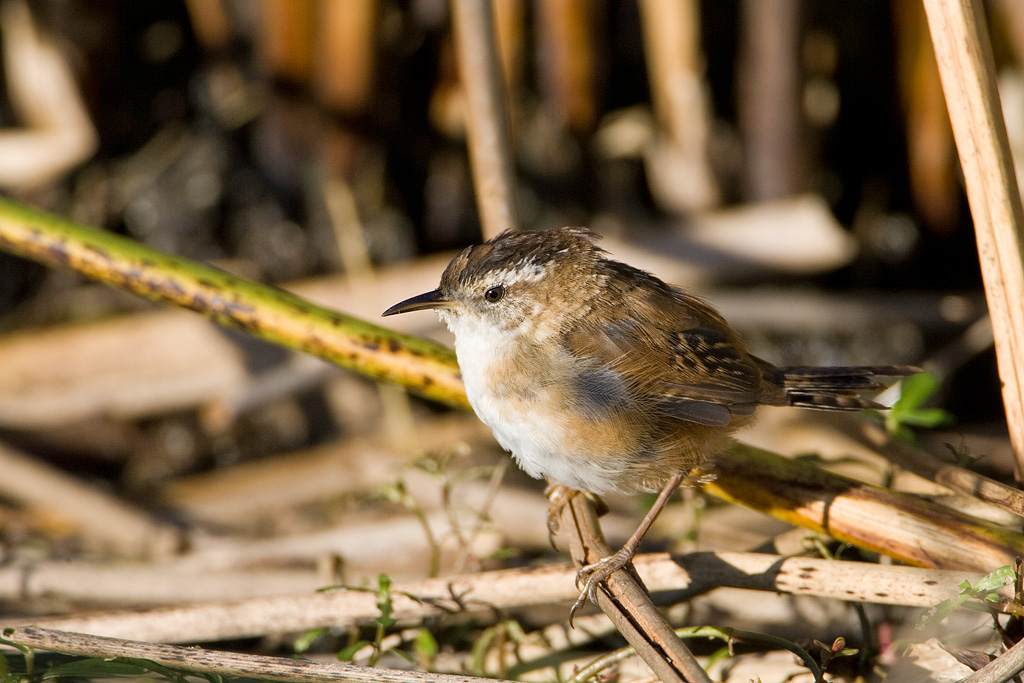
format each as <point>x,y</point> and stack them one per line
<point>527,272</point>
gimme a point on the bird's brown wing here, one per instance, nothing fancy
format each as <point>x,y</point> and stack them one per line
<point>678,358</point>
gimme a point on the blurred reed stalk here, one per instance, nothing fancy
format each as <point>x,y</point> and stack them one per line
<point>487,118</point>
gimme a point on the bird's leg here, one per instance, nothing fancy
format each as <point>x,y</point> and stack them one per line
<point>559,496</point>
<point>599,572</point>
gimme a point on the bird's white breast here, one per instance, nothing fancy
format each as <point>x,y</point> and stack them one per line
<point>522,401</point>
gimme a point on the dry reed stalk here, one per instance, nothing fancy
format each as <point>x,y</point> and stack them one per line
<point>223,663</point>
<point>967,70</point>
<point>901,526</point>
<point>926,465</point>
<point>418,601</point>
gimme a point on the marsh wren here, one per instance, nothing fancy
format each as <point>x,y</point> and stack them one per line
<point>600,377</point>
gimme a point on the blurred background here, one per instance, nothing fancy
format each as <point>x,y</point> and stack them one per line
<point>790,161</point>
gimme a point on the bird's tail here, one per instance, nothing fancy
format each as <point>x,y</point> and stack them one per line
<point>838,388</point>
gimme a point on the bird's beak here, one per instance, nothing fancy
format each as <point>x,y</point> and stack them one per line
<point>431,299</point>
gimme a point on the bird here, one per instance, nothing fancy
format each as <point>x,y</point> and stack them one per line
<point>600,377</point>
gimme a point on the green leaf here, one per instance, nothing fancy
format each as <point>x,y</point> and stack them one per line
<point>384,603</point>
<point>927,417</point>
<point>479,651</point>
<point>938,613</point>
<point>983,591</point>
<point>425,645</point>
<point>917,389</point>
<point>303,642</point>
<point>347,653</point>
<point>718,655</point>
<point>914,392</point>
<point>1003,576</point>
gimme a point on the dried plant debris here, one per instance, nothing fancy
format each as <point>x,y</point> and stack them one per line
<point>164,479</point>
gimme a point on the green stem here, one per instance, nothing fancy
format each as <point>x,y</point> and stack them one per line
<point>427,368</point>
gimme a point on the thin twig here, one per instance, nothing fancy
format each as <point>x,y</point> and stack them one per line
<point>210,661</point>
<point>626,603</point>
<point>926,465</point>
<point>1002,668</point>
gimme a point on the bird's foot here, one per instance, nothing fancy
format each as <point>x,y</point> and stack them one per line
<point>559,496</point>
<point>588,578</point>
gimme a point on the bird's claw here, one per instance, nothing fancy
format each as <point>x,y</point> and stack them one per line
<point>589,577</point>
<point>558,496</point>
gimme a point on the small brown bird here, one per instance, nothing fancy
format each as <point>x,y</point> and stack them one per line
<point>601,377</point>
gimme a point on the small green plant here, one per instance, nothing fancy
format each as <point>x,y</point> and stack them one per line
<point>10,674</point>
<point>962,455</point>
<point>984,594</point>
<point>830,653</point>
<point>306,640</point>
<point>384,621</point>
<point>909,412</point>
<point>438,467</point>
<point>398,492</point>
<point>504,635</point>
<point>425,649</point>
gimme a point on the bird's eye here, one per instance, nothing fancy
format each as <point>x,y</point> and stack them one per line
<point>494,294</point>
